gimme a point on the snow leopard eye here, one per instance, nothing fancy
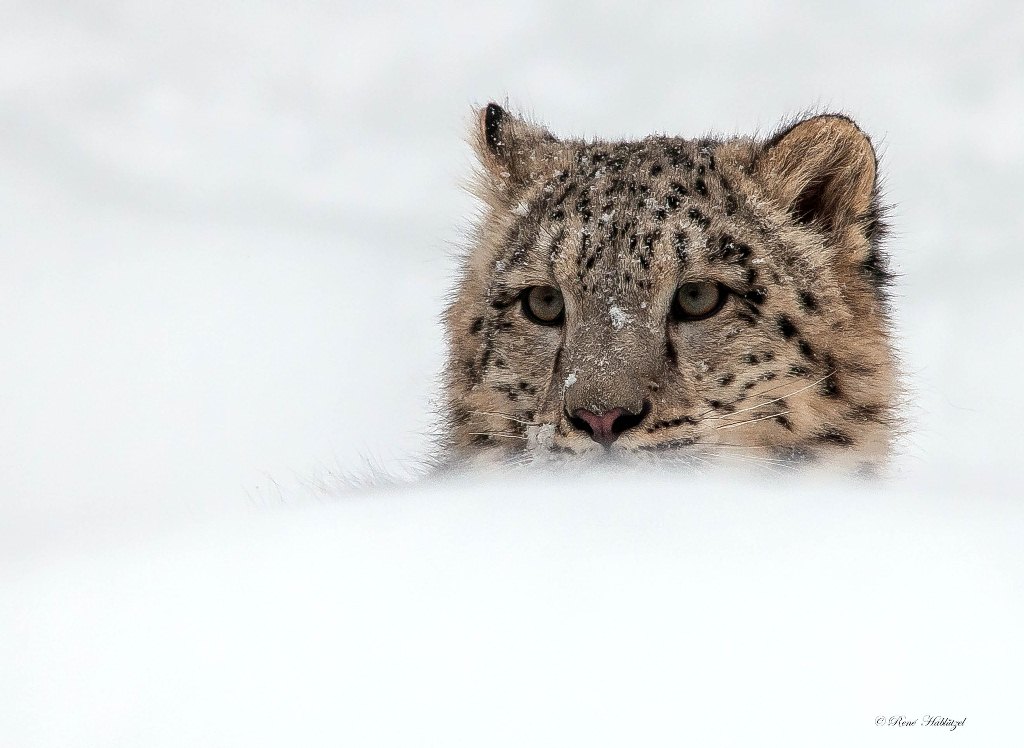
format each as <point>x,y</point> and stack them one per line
<point>698,300</point>
<point>543,305</point>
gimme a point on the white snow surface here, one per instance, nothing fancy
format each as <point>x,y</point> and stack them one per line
<point>227,233</point>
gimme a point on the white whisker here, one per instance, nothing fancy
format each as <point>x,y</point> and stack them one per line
<point>762,393</point>
<point>783,397</point>
<point>752,420</point>
<point>767,464</point>
<point>503,415</point>
<point>756,458</point>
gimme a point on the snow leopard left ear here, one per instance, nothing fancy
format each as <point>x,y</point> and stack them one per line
<point>823,171</point>
<point>511,150</point>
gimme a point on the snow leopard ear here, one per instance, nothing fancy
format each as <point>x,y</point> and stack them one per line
<point>511,150</point>
<point>823,171</point>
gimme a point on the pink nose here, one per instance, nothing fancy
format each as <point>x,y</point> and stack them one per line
<point>602,427</point>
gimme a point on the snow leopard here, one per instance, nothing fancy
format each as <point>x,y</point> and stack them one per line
<point>681,297</point>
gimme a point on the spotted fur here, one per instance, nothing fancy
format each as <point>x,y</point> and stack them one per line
<point>796,365</point>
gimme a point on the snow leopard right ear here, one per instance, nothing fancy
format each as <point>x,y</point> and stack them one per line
<point>823,170</point>
<point>511,150</point>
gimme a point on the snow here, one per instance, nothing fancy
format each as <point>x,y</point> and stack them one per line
<point>540,438</point>
<point>619,318</point>
<point>227,234</point>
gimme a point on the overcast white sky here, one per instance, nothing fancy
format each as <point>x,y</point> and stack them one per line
<point>226,235</point>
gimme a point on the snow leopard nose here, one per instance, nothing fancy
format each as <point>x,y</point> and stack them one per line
<point>604,428</point>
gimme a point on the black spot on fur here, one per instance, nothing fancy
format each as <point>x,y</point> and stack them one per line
<point>875,269</point>
<point>666,446</point>
<point>563,196</point>
<point>870,413</point>
<point>798,371</point>
<point>731,251</point>
<point>486,357</point>
<point>830,386</point>
<point>832,435</point>
<point>679,244</point>
<point>699,218</point>
<point>807,301</point>
<point>784,422</point>
<point>670,353</point>
<point>677,157</point>
<point>583,208</point>
<point>730,204</point>
<point>656,170</point>
<point>786,327</point>
<point>756,295</point>
<point>805,349</point>
<point>671,201</point>
<point>706,152</point>
<point>477,326</point>
<point>647,247</point>
<point>726,379</point>
<point>700,187</point>
<point>678,189</point>
<point>492,126</point>
<point>750,358</point>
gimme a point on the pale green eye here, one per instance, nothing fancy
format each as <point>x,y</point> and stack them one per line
<point>543,305</point>
<point>697,300</point>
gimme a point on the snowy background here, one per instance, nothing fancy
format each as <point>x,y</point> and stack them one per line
<point>226,233</point>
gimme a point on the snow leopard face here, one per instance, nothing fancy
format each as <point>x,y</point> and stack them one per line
<point>677,297</point>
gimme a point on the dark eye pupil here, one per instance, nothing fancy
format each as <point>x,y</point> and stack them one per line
<point>543,305</point>
<point>697,300</point>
